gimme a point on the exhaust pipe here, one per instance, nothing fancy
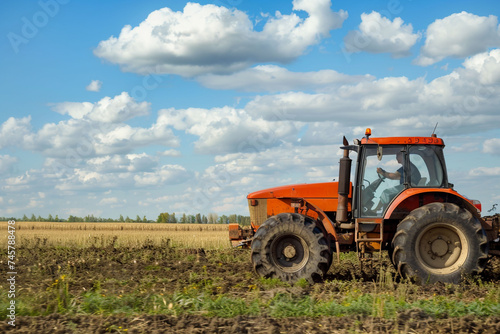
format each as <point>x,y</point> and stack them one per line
<point>344,183</point>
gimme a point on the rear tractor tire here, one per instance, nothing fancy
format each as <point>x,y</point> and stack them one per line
<point>439,242</point>
<point>290,246</point>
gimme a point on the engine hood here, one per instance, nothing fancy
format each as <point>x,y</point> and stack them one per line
<point>305,190</point>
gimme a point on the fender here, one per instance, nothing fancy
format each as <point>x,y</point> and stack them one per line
<point>441,194</point>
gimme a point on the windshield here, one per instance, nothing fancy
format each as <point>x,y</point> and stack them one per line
<point>382,178</point>
<point>388,170</point>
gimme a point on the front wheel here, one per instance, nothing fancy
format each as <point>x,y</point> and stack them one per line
<point>439,242</point>
<point>290,246</point>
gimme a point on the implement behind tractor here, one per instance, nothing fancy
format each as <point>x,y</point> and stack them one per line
<point>401,201</point>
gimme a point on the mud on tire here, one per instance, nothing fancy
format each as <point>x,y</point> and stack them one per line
<point>439,242</point>
<point>290,246</point>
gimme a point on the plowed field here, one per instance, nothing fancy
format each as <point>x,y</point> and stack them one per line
<point>151,289</point>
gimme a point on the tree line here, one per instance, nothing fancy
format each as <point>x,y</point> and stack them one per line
<point>211,218</point>
<point>163,218</point>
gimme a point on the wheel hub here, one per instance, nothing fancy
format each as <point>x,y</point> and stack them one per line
<point>289,251</point>
<point>439,247</point>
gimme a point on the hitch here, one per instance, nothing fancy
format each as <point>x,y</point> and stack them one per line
<point>491,226</point>
<point>240,237</point>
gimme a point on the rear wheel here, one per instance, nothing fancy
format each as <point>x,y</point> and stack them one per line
<point>290,246</point>
<point>439,242</point>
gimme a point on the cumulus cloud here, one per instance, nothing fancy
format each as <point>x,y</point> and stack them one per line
<point>226,129</point>
<point>374,99</point>
<point>210,39</point>
<point>109,201</point>
<point>7,163</point>
<point>167,174</point>
<point>462,102</point>
<point>94,129</point>
<point>487,66</point>
<point>94,86</point>
<point>485,171</point>
<point>94,177</point>
<point>123,163</point>
<point>170,153</point>
<point>459,35</point>
<point>14,131</point>
<point>492,146</point>
<point>272,78</point>
<point>108,110</point>
<point>379,34</point>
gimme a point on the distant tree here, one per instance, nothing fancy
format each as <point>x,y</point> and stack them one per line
<point>204,219</point>
<point>144,219</point>
<point>56,218</point>
<point>223,219</point>
<point>25,218</point>
<point>198,219</point>
<point>121,218</point>
<point>172,219</point>
<point>33,218</point>
<point>50,218</point>
<point>163,218</point>
<point>212,218</point>
<point>138,219</point>
<point>184,219</point>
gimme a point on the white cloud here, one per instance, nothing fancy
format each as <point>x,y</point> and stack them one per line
<point>108,110</point>
<point>170,153</point>
<point>95,129</point>
<point>209,39</point>
<point>376,100</point>
<point>492,146</point>
<point>462,102</point>
<point>485,171</point>
<point>14,131</point>
<point>459,35</point>
<point>7,163</point>
<point>379,34</point>
<point>123,163</point>
<point>167,174</point>
<point>108,201</point>
<point>272,78</point>
<point>94,86</point>
<point>487,65</point>
<point>222,130</point>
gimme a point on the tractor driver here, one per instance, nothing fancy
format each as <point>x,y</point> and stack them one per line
<point>389,193</point>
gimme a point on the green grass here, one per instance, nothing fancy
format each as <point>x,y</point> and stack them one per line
<point>194,300</point>
<point>111,280</point>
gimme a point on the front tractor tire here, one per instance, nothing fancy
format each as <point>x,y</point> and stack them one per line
<point>439,242</point>
<point>290,246</point>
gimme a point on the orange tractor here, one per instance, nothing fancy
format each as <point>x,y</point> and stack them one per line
<point>432,233</point>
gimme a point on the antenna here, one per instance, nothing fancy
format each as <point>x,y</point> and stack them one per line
<point>434,131</point>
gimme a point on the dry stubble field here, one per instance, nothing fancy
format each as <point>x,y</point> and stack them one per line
<point>160,278</point>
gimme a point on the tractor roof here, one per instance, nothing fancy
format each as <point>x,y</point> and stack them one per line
<point>432,140</point>
<point>403,140</point>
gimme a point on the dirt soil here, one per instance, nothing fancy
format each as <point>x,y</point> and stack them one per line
<point>119,271</point>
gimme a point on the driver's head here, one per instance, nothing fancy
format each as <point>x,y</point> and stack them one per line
<point>399,157</point>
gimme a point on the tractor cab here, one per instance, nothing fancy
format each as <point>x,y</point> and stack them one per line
<point>388,166</point>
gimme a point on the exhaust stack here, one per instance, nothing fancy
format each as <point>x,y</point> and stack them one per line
<point>344,183</point>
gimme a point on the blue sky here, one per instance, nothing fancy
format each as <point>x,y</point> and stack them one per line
<point>142,107</point>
